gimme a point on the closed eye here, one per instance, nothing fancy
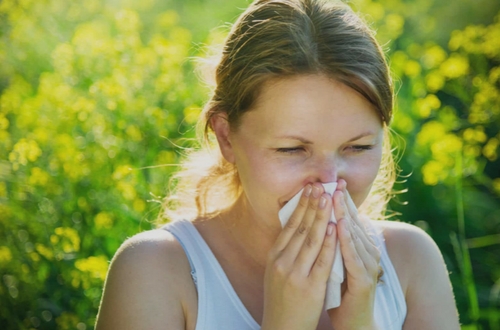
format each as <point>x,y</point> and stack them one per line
<point>290,150</point>
<point>360,148</point>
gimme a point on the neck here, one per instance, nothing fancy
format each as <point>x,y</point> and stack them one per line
<point>250,232</point>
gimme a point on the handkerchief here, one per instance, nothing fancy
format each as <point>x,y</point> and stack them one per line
<point>332,298</point>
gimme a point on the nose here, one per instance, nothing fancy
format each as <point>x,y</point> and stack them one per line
<point>326,169</point>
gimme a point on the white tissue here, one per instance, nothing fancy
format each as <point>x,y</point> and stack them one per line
<point>336,278</point>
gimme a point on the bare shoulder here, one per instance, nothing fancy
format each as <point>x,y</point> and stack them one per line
<point>407,239</point>
<point>401,231</point>
<point>147,284</point>
<point>153,245</point>
<point>423,276</point>
<point>409,248</point>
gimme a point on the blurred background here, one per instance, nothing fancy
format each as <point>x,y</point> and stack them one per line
<point>96,95</point>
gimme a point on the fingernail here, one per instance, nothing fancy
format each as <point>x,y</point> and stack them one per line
<point>307,190</point>
<point>322,202</point>
<point>329,229</point>
<point>315,192</point>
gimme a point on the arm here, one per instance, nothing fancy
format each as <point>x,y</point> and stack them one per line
<point>143,289</point>
<point>422,271</point>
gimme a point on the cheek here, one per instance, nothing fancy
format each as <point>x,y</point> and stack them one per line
<point>256,169</point>
<point>265,180</point>
<point>360,177</point>
<point>266,188</point>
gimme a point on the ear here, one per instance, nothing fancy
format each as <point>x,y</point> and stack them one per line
<point>220,126</point>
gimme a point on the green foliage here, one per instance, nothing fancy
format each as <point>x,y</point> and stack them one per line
<point>95,96</point>
<point>89,101</point>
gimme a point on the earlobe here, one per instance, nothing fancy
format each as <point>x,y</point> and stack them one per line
<point>220,126</point>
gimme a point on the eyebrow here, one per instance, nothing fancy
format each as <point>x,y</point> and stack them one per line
<point>305,141</point>
<point>362,135</point>
<point>294,137</point>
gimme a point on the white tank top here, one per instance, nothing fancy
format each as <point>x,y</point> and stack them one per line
<point>220,308</point>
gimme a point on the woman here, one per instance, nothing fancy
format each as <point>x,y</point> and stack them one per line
<point>303,98</point>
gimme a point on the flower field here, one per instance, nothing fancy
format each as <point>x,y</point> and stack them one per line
<point>98,100</point>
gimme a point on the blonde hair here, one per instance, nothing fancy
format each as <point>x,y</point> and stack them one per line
<point>279,39</point>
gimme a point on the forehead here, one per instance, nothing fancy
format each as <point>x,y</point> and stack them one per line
<point>310,103</point>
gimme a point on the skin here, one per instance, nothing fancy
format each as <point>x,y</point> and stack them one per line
<point>302,131</point>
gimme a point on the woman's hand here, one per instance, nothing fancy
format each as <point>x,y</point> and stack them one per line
<point>361,261</point>
<point>299,264</point>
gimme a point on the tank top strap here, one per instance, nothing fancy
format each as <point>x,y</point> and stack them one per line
<point>181,233</point>
<point>215,292</point>
<point>390,302</point>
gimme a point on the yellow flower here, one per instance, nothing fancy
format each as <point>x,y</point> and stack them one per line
<point>5,255</point>
<point>139,205</point>
<point>122,172</point>
<point>394,24</point>
<point>127,21</point>
<point>62,59</point>
<point>3,189</point>
<point>67,321</point>
<point>166,157</point>
<point>96,266</point>
<point>430,131</point>
<point>455,66</point>
<point>434,81</point>
<point>24,150</point>
<point>433,171</point>
<point>38,177</point>
<point>167,19</point>
<point>490,150</point>
<point>496,185</point>
<point>475,134</point>
<point>68,238</point>
<point>134,133</point>
<point>446,148</point>
<point>45,251</point>
<point>191,114</point>
<point>12,97</point>
<point>434,56</point>
<point>4,122</point>
<point>127,190</point>
<point>103,220</point>
<point>426,105</point>
<point>412,68</point>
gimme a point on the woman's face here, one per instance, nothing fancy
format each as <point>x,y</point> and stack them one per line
<point>304,129</point>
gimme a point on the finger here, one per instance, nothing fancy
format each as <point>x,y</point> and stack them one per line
<point>341,184</point>
<point>369,260</point>
<point>364,244</point>
<point>324,262</point>
<point>353,210</point>
<point>339,209</point>
<point>368,245</point>
<point>348,206</point>
<point>348,202</point>
<point>352,261</point>
<point>350,214</point>
<point>301,235</point>
<point>291,250</point>
<point>314,240</point>
<point>361,267</point>
<point>295,220</point>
